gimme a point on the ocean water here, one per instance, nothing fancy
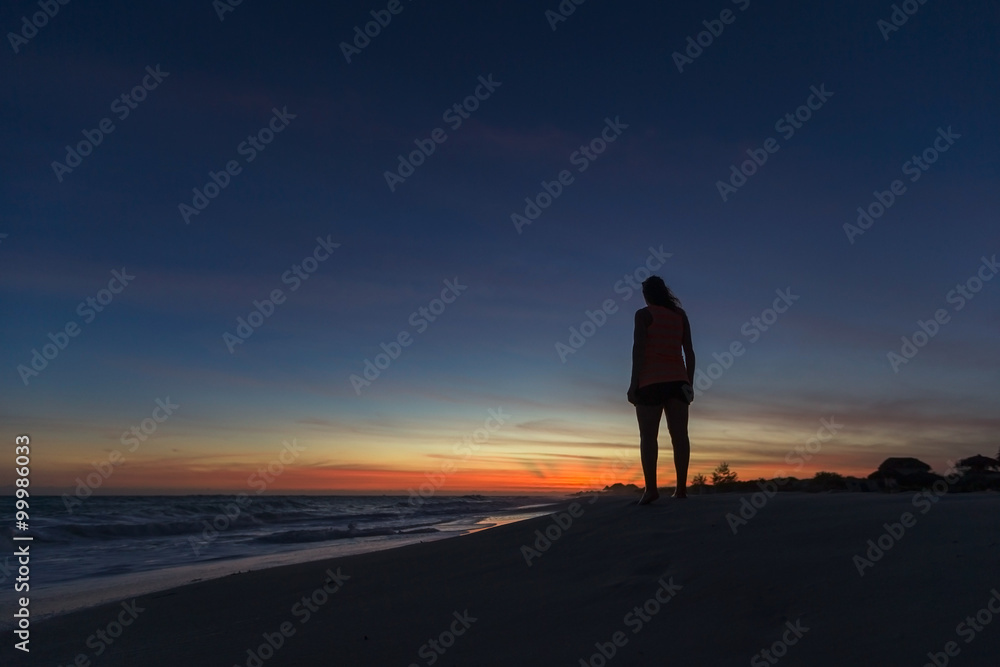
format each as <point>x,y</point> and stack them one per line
<point>114,545</point>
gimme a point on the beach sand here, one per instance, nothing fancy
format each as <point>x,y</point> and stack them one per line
<point>786,582</point>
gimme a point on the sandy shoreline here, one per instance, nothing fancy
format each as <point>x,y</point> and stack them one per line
<point>664,584</point>
<point>55,599</point>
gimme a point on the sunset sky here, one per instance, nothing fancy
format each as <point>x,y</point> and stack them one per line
<point>324,133</point>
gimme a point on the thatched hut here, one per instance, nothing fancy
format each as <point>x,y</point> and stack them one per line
<point>903,471</point>
<point>902,466</point>
<point>979,463</point>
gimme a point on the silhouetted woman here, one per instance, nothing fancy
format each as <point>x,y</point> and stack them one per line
<point>662,381</point>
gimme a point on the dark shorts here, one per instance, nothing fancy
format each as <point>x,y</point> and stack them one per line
<point>658,393</point>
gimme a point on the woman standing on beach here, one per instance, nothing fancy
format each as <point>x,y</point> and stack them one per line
<point>662,381</point>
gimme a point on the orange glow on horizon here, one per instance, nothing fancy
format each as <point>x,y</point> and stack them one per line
<point>175,477</point>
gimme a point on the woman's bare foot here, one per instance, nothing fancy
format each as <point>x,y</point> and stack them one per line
<point>649,497</point>
<point>680,493</point>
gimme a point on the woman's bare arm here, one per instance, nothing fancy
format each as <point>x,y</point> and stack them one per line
<point>688,350</point>
<point>642,320</point>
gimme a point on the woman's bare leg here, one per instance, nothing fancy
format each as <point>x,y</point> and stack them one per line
<point>649,427</point>
<point>677,424</point>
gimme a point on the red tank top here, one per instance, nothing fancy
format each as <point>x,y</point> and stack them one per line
<point>662,361</point>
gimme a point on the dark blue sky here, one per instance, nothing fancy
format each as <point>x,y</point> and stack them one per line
<point>655,185</point>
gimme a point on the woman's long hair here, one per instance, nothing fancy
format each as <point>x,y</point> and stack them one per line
<point>658,294</point>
